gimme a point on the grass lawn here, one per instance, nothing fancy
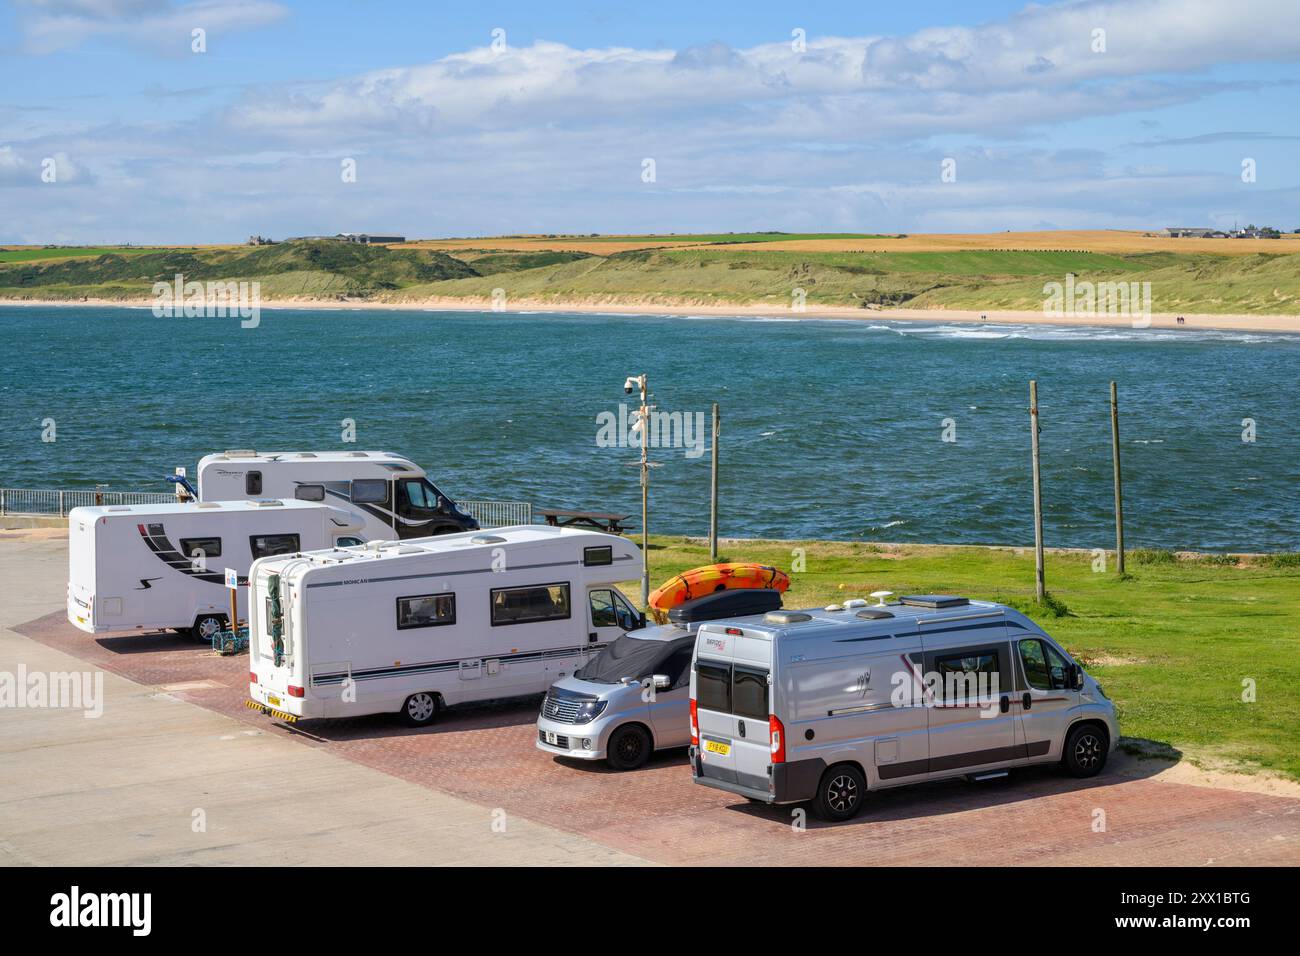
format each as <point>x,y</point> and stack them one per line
<point>34,254</point>
<point>1172,642</point>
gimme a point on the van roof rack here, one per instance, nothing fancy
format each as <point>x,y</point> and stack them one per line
<point>720,604</point>
<point>933,600</point>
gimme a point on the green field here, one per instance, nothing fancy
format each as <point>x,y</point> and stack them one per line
<point>1171,642</point>
<point>34,254</point>
<point>1196,282</point>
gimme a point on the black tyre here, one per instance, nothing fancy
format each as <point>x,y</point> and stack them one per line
<point>420,709</point>
<point>840,794</point>
<point>206,625</point>
<point>1086,749</point>
<point>629,747</point>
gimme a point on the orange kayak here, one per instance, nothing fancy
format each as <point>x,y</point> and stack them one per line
<point>698,582</point>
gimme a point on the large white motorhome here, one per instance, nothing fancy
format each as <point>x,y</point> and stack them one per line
<point>826,704</point>
<point>392,495</point>
<point>158,567</point>
<point>409,627</point>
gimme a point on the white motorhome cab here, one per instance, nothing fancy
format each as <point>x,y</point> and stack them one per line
<point>824,705</point>
<point>410,627</point>
<point>155,567</point>
<point>392,495</point>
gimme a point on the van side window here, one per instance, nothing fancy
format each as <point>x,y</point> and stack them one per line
<point>266,545</point>
<point>252,483</point>
<point>1045,667</point>
<point>309,492</point>
<point>713,687</point>
<point>749,693</point>
<point>426,610</point>
<point>609,609</point>
<point>544,602</point>
<point>372,491</point>
<point>960,674</point>
<point>201,547</point>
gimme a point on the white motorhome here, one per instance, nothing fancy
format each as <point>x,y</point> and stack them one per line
<point>826,704</point>
<point>392,495</point>
<point>408,627</point>
<point>158,567</point>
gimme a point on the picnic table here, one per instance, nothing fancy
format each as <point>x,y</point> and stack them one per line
<point>600,520</point>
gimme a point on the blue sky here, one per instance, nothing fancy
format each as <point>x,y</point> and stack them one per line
<point>549,131</point>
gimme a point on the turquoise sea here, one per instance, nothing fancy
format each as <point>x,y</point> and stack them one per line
<point>831,429</point>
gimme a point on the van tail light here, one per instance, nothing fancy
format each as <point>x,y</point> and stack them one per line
<point>695,725</point>
<point>252,677</point>
<point>295,690</point>
<point>776,733</point>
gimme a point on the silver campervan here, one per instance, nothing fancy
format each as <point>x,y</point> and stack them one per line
<point>824,705</point>
<point>633,698</point>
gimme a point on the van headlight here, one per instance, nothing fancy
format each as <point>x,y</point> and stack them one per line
<point>589,711</point>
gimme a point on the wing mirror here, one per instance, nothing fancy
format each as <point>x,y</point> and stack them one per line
<point>1076,673</point>
<point>661,682</point>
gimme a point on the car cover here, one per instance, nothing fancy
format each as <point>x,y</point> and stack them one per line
<point>630,657</point>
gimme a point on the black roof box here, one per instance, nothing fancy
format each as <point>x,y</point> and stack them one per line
<point>933,600</point>
<point>720,604</point>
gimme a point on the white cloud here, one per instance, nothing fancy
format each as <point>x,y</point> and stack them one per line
<point>52,25</point>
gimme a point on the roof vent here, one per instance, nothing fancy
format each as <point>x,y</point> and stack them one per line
<point>358,454</point>
<point>268,503</point>
<point>933,600</point>
<point>786,617</point>
<point>240,453</point>
<point>487,539</point>
<point>209,504</point>
<point>118,508</point>
<point>873,614</point>
<point>854,602</point>
<point>306,454</point>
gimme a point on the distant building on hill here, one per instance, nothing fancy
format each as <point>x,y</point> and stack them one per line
<point>260,241</point>
<point>1182,232</point>
<point>366,239</point>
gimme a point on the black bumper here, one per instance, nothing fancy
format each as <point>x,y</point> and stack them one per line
<point>794,782</point>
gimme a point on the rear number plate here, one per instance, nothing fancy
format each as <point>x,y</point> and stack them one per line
<point>717,747</point>
<point>273,700</point>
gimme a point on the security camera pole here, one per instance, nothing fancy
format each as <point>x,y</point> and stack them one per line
<point>643,424</point>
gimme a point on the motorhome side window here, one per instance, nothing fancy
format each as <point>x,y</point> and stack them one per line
<point>266,545</point>
<point>1045,668</point>
<point>201,547</point>
<point>959,674</point>
<point>252,483</point>
<point>372,491</point>
<point>426,610</point>
<point>309,492</point>
<point>598,557</point>
<point>543,602</point>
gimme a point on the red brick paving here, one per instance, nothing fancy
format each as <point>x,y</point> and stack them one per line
<point>485,754</point>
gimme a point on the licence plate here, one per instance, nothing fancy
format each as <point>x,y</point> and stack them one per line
<point>273,700</point>
<point>551,738</point>
<point>717,747</point>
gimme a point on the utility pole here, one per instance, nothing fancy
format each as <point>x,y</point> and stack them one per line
<point>643,425</point>
<point>1040,589</point>
<point>1119,490</point>
<point>713,497</point>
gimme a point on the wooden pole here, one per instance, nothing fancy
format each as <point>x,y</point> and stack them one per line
<point>713,497</point>
<point>1040,588</point>
<point>1119,488</point>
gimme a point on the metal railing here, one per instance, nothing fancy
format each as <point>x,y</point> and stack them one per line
<point>497,514</point>
<point>46,501</point>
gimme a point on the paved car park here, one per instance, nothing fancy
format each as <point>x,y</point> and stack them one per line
<point>483,756</point>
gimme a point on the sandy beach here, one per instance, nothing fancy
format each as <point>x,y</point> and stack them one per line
<point>628,306</point>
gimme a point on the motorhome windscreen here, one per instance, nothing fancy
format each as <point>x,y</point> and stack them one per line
<point>630,657</point>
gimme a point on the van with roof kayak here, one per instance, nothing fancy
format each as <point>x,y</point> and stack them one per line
<point>828,704</point>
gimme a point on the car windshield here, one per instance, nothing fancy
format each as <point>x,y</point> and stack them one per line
<point>628,656</point>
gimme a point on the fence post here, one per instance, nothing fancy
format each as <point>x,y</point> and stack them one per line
<point>713,497</point>
<point>62,513</point>
<point>3,502</point>
<point>1040,587</point>
<point>1119,492</point>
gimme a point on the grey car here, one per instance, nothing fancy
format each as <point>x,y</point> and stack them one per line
<point>633,698</point>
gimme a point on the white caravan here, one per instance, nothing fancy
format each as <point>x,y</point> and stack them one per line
<point>390,494</point>
<point>828,704</point>
<point>409,627</point>
<point>154,567</point>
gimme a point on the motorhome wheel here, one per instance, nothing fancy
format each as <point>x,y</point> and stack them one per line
<point>629,747</point>
<point>1086,748</point>
<point>420,709</point>
<point>840,793</point>
<point>206,625</point>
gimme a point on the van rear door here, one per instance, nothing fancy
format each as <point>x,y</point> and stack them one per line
<point>733,703</point>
